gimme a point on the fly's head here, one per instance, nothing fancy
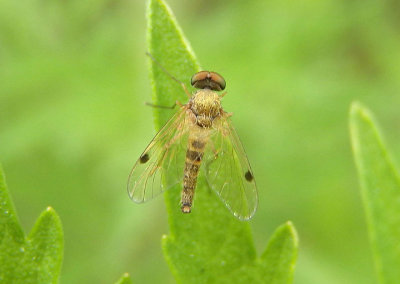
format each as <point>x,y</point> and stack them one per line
<point>206,103</point>
<point>208,80</point>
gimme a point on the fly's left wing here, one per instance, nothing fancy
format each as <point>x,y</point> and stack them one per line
<point>161,165</point>
<point>228,171</point>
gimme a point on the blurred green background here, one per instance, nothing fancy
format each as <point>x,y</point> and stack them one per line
<point>73,82</point>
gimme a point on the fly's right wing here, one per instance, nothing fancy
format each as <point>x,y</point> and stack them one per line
<point>228,171</point>
<point>161,165</point>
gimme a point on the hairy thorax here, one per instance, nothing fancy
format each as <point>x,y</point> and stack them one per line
<point>206,106</point>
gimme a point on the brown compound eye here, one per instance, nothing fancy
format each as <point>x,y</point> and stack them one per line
<point>208,80</point>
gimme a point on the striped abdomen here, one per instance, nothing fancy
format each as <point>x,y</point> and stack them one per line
<point>194,155</point>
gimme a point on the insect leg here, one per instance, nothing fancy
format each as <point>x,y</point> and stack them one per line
<point>159,106</point>
<point>186,90</point>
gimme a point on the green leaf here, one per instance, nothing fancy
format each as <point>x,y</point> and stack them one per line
<point>168,45</point>
<point>279,258</point>
<point>209,245</point>
<point>380,188</point>
<point>35,258</point>
<point>125,279</point>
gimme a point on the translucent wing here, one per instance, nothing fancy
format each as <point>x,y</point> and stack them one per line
<point>228,171</point>
<point>161,165</point>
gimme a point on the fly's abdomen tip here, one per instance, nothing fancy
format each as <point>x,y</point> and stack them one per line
<point>186,208</point>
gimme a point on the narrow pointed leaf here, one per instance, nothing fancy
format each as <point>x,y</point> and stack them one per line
<point>279,259</point>
<point>33,259</point>
<point>170,48</point>
<point>125,279</point>
<point>46,239</point>
<point>209,245</point>
<point>12,238</point>
<point>380,188</point>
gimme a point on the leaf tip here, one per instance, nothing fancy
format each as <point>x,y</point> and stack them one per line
<point>48,221</point>
<point>165,241</point>
<point>355,106</point>
<point>284,233</point>
<point>50,214</point>
<point>279,258</point>
<point>289,229</point>
<point>50,209</point>
<point>125,279</point>
<point>359,111</point>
